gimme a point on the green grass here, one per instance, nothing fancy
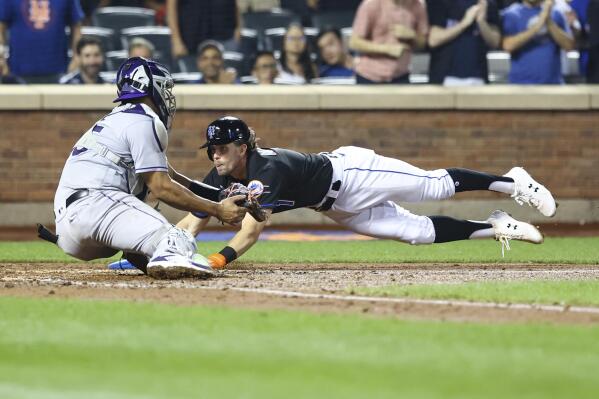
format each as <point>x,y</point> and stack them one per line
<point>554,250</point>
<point>54,348</point>
<point>563,292</point>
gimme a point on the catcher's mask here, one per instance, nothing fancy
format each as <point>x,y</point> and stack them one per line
<point>138,77</point>
<point>225,130</point>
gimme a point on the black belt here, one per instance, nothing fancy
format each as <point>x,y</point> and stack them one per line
<point>329,201</point>
<point>77,195</point>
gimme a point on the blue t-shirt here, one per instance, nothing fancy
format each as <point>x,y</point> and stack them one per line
<point>538,61</point>
<point>335,71</point>
<point>38,43</point>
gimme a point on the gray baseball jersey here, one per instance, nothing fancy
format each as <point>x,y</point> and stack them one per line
<point>134,134</point>
<point>108,161</point>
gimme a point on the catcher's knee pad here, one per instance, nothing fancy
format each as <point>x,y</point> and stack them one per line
<point>176,241</point>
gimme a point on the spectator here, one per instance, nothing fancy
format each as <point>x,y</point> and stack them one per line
<point>157,5</point>
<point>257,5</point>
<point>385,32</point>
<point>461,33</point>
<point>534,33</point>
<point>211,64</point>
<point>336,60</point>
<point>593,22</point>
<point>192,22</point>
<point>297,66</point>
<point>38,42</point>
<point>140,47</point>
<point>573,29</point>
<point>580,7</point>
<point>5,76</point>
<point>91,58</point>
<point>265,69</point>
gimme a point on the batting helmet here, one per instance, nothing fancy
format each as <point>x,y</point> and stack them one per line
<point>138,77</point>
<point>228,129</point>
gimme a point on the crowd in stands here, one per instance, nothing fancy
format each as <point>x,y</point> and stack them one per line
<point>302,41</point>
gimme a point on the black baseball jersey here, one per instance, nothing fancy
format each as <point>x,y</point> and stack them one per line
<point>291,179</point>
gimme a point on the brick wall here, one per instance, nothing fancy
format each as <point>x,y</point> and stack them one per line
<point>560,148</point>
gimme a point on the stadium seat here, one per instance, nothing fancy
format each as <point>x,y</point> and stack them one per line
<point>275,18</point>
<point>338,81</point>
<point>183,77</point>
<point>119,18</point>
<point>572,68</point>
<point>419,68</point>
<point>248,42</point>
<point>233,59</point>
<point>499,66</point>
<point>338,19</point>
<point>114,59</point>
<point>108,76</point>
<point>105,35</point>
<point>248,80</point>
<point>159,36</point>
<point>187,64</point>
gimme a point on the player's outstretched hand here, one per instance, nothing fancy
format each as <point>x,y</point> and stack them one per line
<point>250,198</point>
<point>229,211</point>
<point>217,261</point>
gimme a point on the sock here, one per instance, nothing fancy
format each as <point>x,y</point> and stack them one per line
<point>470,180</point>
<point>449,229</point>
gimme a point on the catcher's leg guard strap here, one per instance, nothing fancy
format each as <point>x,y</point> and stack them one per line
<point>45,234</point>
<point>137,260</point>
<point>204,191</point>
<point>449,229</point>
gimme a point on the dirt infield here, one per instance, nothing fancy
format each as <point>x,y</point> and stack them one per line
<point>317,288</point>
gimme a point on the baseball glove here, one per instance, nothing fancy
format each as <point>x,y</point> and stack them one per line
<point>251,200</point>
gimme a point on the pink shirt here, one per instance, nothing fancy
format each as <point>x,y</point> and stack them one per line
<point>374,21</point>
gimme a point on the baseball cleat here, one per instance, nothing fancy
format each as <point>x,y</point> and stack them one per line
<point>529,191</point>
<point>168,267</point>
<point>121,264</point>
<point>507,228</point>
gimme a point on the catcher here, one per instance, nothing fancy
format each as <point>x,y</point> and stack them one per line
<point>356,188</point>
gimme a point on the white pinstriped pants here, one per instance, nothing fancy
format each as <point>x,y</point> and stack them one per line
<point>372,185</point>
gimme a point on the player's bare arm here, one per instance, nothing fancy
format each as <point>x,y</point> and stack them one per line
<point>245,238</point>
<point>177,196</point>
<point>193,224</point>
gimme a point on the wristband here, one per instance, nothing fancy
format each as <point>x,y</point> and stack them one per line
<point>229,253</point>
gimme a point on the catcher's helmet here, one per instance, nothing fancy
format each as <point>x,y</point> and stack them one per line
<point>138,77</point>
<point>225,130</point>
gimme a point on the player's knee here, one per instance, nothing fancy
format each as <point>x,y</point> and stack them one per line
<point>419,232</point>
<point>439,185</point>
